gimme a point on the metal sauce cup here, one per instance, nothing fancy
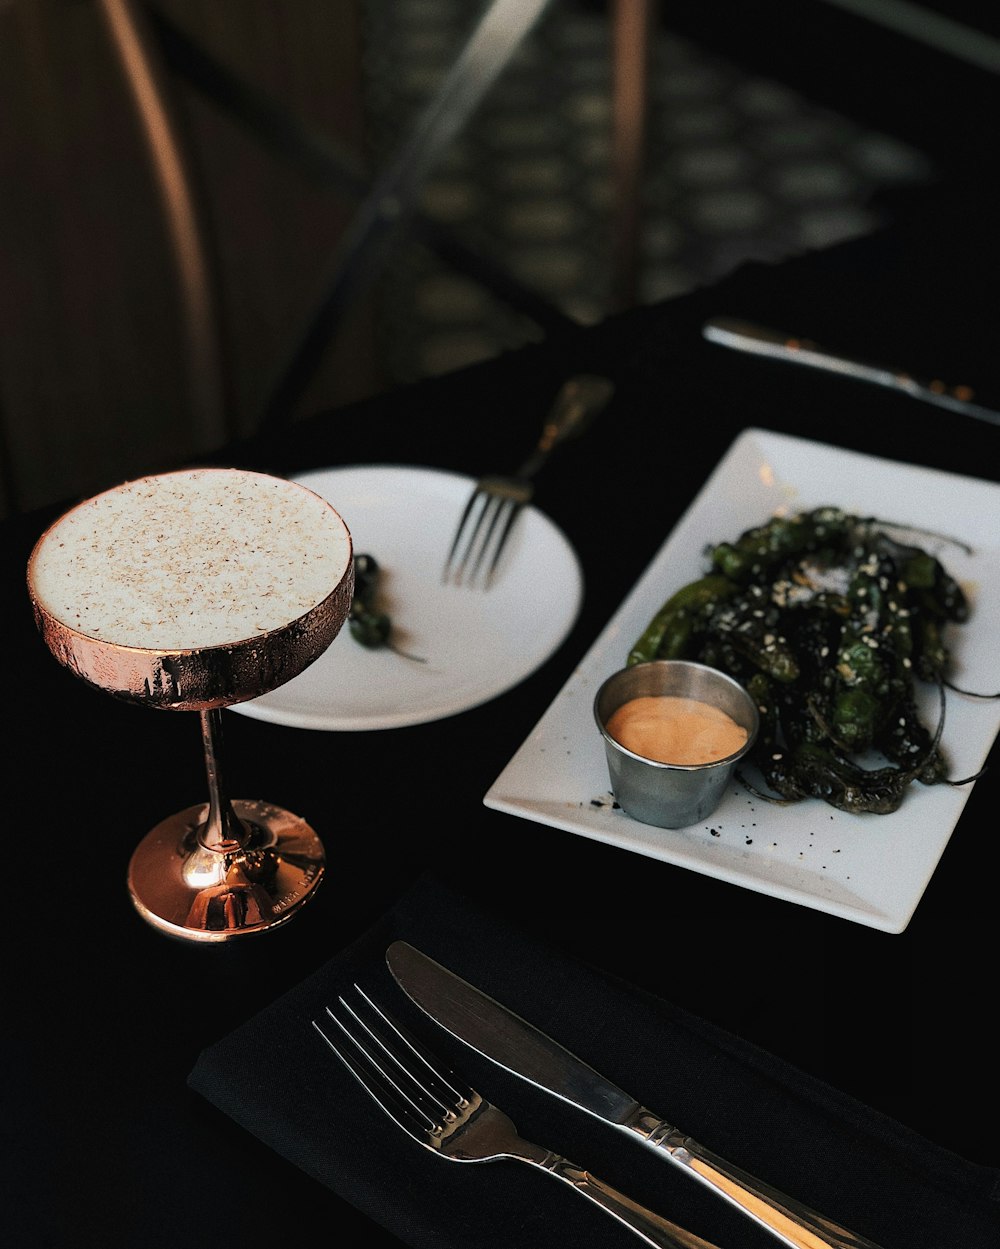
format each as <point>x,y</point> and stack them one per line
<point>672,795</point>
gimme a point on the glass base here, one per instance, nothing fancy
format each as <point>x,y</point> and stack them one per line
<point>187,890</point>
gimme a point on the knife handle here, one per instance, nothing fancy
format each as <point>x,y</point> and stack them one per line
<point>647,1225</point>
<point>791,1222</point>
<point>759,340</point>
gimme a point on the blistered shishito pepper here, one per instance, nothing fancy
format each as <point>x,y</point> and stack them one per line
<point>814,771</point>
<point>763,547</point>
<point>669,633</point>
<point>752,627</point>
<point>828,621</point>
<point>945,599</point>
<point>854,719</point>
<point>930,652</point>
<point>862,673</point>
<point>905,740</point>
<point>918,569</point>
<point>368,624</point>
<point>859,665</point>
<point>926,581</point>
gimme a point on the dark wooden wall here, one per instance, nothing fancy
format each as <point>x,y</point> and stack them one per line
<point>96,379</point>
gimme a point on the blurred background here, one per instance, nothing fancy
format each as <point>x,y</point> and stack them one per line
<point>191,249</point>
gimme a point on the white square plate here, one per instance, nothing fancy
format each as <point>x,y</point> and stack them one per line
<point>872,869</point>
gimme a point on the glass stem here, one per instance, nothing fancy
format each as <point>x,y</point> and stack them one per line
<point>223,830</point>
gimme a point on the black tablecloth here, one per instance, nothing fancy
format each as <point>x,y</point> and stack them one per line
<point>105,1142</point>
<point>278,1079</point>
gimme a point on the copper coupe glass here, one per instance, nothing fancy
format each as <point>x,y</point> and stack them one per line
<point>191,591</point>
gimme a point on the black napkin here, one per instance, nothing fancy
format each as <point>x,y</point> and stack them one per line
<point>276,1078</point>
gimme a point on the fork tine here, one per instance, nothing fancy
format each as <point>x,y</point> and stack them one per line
<point>489,509</point>
<point>474,497</point>
<point>402,1105</point>
<point>411,1049</point>
<point>501,506</point>
<point>500,501</point>
<point>422,1097</point>
<point>513,510</point>
<point>489,504</point>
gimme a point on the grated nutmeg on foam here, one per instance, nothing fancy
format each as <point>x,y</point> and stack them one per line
<point>192,559</point>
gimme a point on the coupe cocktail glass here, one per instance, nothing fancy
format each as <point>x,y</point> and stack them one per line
<point>191,591</point>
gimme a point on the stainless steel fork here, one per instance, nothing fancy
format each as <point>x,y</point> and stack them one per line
<point>439,1111</point>
<point>496,501</point>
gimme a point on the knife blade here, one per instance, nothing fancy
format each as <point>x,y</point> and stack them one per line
<point>521,1049</point>
<point>759,340</point>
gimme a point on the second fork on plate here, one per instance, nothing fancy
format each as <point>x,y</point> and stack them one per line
<point>434,1106</point>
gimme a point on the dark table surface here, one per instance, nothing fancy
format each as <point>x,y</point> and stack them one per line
<point>105,1017</point>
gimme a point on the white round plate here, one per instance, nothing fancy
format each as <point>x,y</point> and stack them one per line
<point>474,644</point>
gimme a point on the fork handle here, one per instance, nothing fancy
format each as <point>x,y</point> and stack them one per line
<point>579,400</point>
<point>648,1226</point>
<point>790,1221</point>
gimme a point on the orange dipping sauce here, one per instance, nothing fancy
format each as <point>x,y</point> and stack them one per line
<point>669,729</point>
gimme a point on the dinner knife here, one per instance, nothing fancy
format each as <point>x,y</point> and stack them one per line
<point>520,1048</point>
<point>776,345</point>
